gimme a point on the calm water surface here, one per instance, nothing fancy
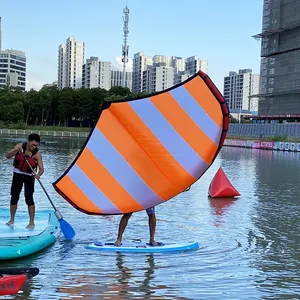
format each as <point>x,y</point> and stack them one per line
<point>249,246</point>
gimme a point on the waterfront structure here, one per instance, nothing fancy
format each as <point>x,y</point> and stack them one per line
<point>70,61</point>
<point>280,60</point>
<point>238,89</point>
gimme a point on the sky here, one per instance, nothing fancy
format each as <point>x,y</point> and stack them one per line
<point>217,30</point>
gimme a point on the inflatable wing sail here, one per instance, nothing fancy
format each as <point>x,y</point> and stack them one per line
<point>143,152</point>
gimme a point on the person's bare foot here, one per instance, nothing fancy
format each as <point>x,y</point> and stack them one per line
<point>154,243</point>
<point>30,226</point>
<point>10,223</point>
<point>118,243</point>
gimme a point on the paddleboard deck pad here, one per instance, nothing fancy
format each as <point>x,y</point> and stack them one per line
<point>143,247</point>
<point>17,241</point>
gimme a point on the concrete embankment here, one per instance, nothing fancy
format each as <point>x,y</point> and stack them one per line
<point>282,137</point>
<point>288,130</point>
<point>261,144</point>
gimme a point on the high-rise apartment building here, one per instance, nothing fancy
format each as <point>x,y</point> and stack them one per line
<point>163,59</point>
<point>70,61</point>
<point>13,69</point>
<point>238,89</point>
<point>90,73</point>
<point>96,74</point>
<point>157,78</point>
<point>178,63</point>
<point>280,63</point>
<point>105,75</point>
<point>0,35</point>
<point>193,64</point>
<point>117,78</point>
<point>140,63</point>
<point>163,71</point>
<point>180,77</point>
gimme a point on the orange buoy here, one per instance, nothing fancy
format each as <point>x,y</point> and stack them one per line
<point>220,186</point>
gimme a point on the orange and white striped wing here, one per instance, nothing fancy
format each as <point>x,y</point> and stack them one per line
<point>144,152</point>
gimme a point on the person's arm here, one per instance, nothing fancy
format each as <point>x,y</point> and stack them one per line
<point>14,151</point>
<point>40,165</point>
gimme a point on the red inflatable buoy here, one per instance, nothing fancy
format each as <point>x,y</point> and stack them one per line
<point>220,186</point>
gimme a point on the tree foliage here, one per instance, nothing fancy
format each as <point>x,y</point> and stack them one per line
<point>51,106</point>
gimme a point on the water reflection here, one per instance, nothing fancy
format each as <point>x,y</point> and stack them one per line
<point>219,207</point>
<point>274,238</point>
<point>124,277</point>
<point>249,247</point>
<point>132,279</point>
<point>278,216</point>
<point>126,273</point>
<point>25,292</point>
<point>143,286</point>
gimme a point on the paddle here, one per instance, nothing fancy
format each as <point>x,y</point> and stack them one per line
<point>65,227</point>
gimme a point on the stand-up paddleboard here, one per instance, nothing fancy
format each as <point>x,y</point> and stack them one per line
<point>143,247</point>
<point>17,241</point>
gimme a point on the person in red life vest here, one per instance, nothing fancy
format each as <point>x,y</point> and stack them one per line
<point>23,175</point>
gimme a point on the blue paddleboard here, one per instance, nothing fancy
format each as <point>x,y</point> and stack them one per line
<point>17,241</point>
<point>143,247</point>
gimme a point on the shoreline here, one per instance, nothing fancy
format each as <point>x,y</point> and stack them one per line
<point>241,142</point>
<point>43,133</point>
<point>264,144</point>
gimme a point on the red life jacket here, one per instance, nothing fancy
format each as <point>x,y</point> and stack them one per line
<point>20,162</point>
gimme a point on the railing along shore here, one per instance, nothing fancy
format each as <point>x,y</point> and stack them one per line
<point>44,133</point>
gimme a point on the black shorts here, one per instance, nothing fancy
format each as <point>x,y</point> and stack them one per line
<point>17,185</point>
<point>151,210</point>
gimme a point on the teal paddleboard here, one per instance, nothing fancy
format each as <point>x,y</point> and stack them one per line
<point>17,241</point>
<point>143,247</point>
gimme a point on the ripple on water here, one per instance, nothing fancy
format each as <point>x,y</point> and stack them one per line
<point>249,247</point>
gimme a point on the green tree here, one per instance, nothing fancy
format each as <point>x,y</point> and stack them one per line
<point>66,106</point>
<point>11,105</point>
<point>119,90</point>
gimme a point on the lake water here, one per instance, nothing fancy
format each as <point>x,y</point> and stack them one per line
<point>249,247</point>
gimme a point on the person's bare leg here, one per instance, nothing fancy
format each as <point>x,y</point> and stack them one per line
<point>31,211</point>
<point>122,227</point>
<point>13,210</point>
<point>152,228</point>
